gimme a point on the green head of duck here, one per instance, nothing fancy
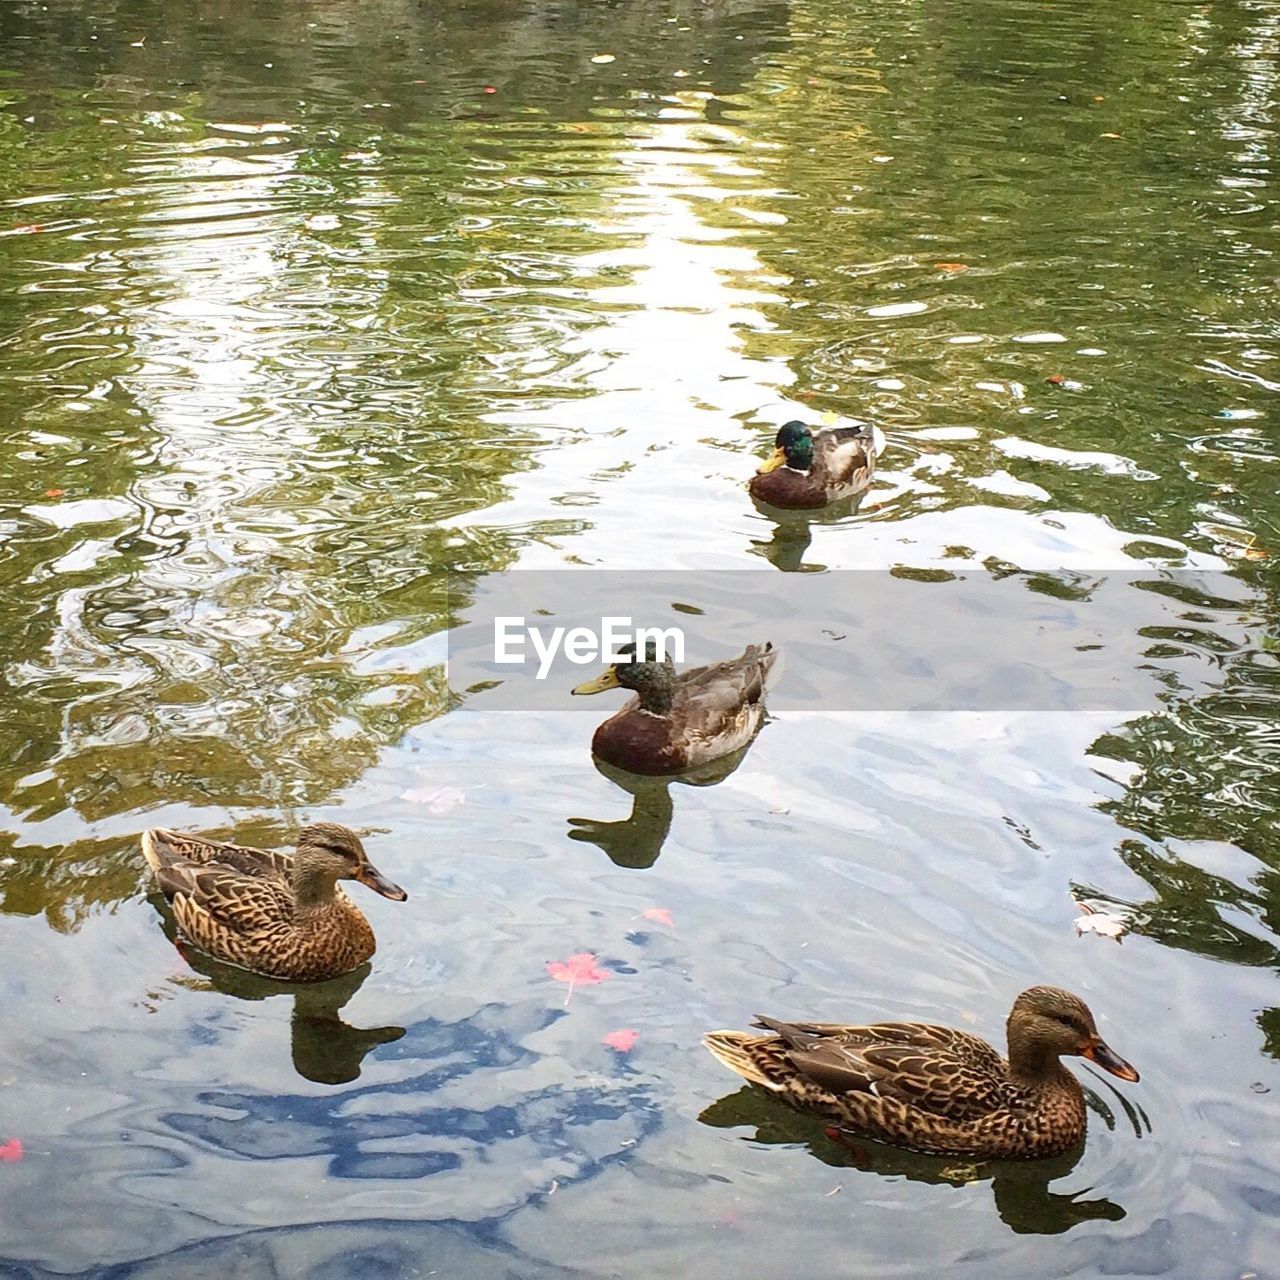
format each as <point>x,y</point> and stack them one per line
<point>651,677</point>
<point>793,447</point>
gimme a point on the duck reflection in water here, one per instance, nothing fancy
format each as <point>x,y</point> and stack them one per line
<point>637,840</point>
<point>793,532</point>
<point>325,1048</point>
<point>1020,1187</point>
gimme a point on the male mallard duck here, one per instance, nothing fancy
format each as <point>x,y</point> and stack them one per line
<point>279,914</point>
<point>812,468</point>
<point>935,1089</point>
<point>680,721</point>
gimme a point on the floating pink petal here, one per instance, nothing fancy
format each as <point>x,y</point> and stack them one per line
<point>579,970</point>
<point>11,1151</point>
<point>439,800</point>
<point>624,1039</point>
<point>660,915</point>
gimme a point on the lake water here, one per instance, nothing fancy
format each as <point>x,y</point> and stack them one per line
<point>319,320</point>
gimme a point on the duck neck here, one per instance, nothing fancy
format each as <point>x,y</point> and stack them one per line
<point>1034,1063</point>
<point>313,883</point>
<point>800,455</point>
<point>655,688</point>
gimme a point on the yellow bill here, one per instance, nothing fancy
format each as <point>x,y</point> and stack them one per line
<point>778,458</point>
<point>608,679</point>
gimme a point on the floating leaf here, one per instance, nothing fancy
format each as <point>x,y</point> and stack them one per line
<point>1103,923</point>
<point>54,493</point>
<point>952,266</point>
<point>623,1040</point>
<point>579,970</point>
<point>659,915</point>
<point>1235,542</point>
<point>29,228</point>
<point>11,1151</point>
<point>488,89</point>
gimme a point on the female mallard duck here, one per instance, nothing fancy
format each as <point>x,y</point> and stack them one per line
<point>811,469</point>
<point>934,1089</point>
<point>679,721</point>
<point>279,914</point>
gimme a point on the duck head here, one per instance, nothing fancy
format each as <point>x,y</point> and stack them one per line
<point>1047,1023</point>
<point>328,851</point>
<point>651,677</point>
<point>793,447</point>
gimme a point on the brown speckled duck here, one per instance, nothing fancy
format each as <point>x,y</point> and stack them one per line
<point>680,720</point>
<point>278,914</point>
<point>935,1089</point>
<point>810,469</point>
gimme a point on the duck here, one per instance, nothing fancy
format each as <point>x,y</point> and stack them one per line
<point>935,1089</point>
<point>814,468</point>
<point>680,720</point>
<point>281,915</point>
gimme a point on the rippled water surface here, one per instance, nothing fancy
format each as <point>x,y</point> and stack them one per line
<point>308,307</point>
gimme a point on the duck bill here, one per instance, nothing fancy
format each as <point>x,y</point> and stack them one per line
<point>778,458</point>
<point>375,880</point>
<point>607,680</point>
<point>1100,1052</point>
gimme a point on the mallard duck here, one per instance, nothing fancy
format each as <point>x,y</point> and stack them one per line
<point>812,468</point>
<point>935,1089</point>
<point>278,914</point>
<point>679,721</point>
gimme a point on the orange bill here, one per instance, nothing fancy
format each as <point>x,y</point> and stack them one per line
<point>371,876</point>
<point>1099,1051</point>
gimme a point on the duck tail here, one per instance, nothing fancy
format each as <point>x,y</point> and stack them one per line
<point>151,849</point>
<point>772,665</point>
<point>733,1049</point>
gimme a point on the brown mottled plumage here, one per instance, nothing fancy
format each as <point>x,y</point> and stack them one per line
<point>931,1088</point>
<point>813,468</point>
<point>680,721</point>
<point>278,914</point>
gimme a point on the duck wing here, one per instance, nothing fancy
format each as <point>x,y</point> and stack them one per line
<point>845,457</point>
<point>938,1070</point>
<point>164,848</point>
<point>718,692</point>
<point>245,903</point>
<point>222,894</point>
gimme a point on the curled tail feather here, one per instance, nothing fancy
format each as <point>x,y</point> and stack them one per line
<point>772,665</point>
